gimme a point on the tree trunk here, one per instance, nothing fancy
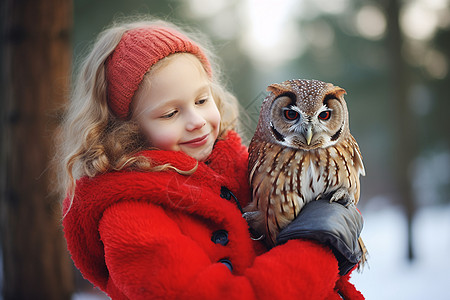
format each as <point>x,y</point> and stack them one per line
<point>35,68</point>
<point>405,147</point>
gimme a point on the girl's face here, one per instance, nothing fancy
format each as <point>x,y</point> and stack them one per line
<point>175,109</point>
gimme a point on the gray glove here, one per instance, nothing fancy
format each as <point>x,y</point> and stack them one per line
<point>332,224</point>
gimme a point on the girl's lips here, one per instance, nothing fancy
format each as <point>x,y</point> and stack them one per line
<point>197,142</point>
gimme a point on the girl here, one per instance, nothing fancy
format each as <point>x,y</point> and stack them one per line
<point>156,178</point>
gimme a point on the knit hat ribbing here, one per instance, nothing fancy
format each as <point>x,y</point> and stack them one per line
<point>138,50</point>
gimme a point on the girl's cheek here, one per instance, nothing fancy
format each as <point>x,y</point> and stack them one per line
<point>214,117</point>
<point>164,139</point>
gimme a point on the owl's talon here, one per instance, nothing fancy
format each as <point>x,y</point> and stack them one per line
<point>250,215</point>
<point>256,236</point>
<point>342,197</point>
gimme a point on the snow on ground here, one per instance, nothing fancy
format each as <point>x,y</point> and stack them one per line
<point>390,275</point>
<point>89,296</point>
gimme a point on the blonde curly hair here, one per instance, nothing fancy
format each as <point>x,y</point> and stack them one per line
<point>92,140</point>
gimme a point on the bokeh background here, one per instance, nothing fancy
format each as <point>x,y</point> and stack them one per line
<point>391,56</point>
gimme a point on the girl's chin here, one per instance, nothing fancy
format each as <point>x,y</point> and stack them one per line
<point>200,154</point>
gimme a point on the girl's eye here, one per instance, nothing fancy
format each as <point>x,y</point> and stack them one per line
<point>169,115</point>
<point>291,114</point>
<point>325,115</point>
<point>201,101</point>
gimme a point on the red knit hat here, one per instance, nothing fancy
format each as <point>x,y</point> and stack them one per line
<point>138,50</point>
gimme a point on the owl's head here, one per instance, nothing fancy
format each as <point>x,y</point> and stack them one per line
<point>304,114</point>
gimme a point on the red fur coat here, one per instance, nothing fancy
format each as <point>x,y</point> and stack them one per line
<point>162,235</point>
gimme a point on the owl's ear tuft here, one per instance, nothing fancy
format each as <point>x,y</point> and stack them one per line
<point>278,89</point>
<point>339,92</point>
<point>335,93</point>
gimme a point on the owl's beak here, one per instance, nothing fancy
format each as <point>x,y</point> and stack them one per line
<point>308,134</point>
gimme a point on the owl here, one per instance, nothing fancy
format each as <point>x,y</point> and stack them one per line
<point>302,150</point>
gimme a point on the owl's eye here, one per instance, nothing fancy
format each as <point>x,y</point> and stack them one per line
<point>325,115</point>
<point>291,115</point>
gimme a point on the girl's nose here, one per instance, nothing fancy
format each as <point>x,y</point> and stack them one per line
<point>195,121</point>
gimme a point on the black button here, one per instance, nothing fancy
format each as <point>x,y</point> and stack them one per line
<point>220,237</point>
<point>225,193</point>
<point>227,263</point>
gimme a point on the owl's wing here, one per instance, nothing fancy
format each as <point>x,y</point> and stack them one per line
<point>357,157</point>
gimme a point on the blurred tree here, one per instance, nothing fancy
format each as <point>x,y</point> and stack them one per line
<point>35,64</point>
<point>405,142</point>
